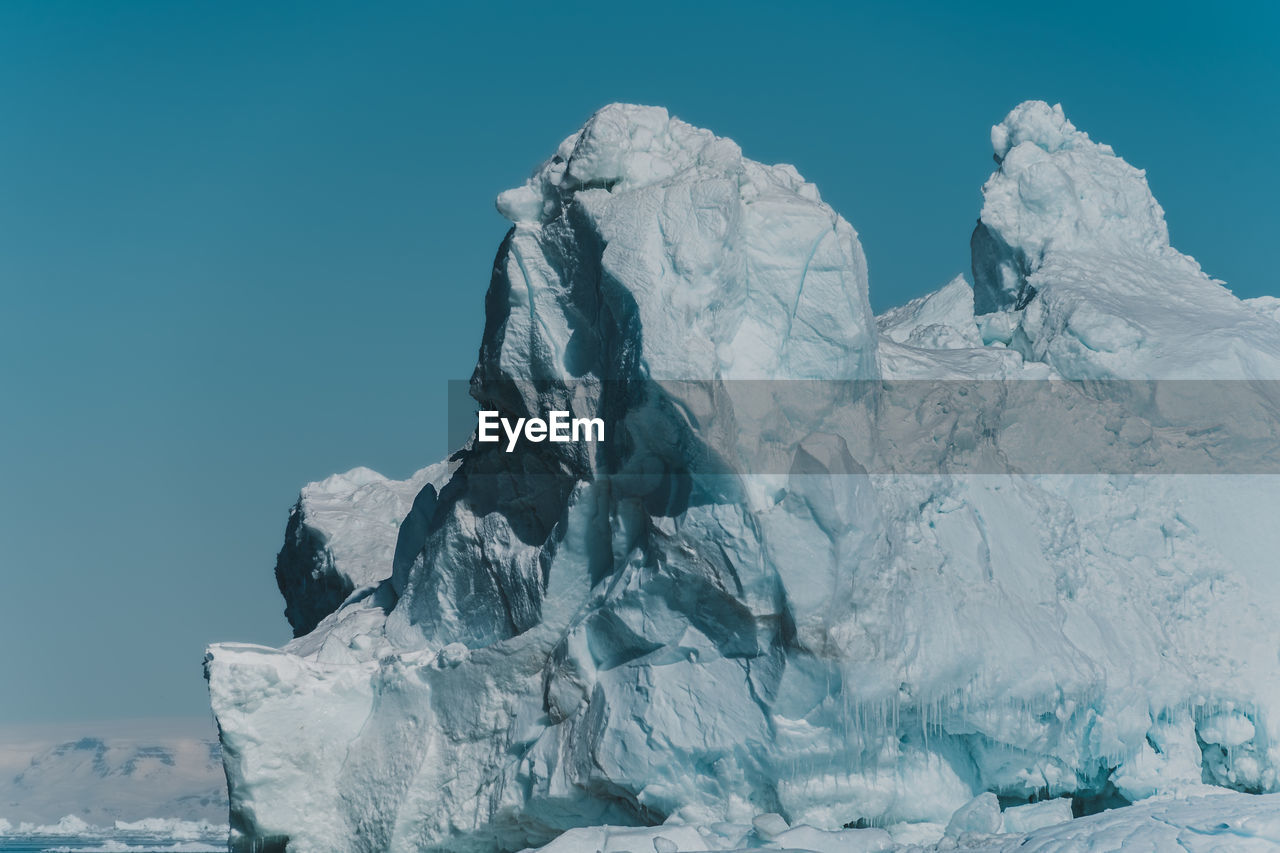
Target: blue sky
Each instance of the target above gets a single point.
(245, 245)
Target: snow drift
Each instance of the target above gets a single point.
(623, 633)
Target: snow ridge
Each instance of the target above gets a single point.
(1071, 240)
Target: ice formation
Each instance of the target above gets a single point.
(148, 834)
(342, 535)
(1071, 235)
(576, 635)
(1202, 824)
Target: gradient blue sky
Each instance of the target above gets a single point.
(244, 245)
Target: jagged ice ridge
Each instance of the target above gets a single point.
(575, 635)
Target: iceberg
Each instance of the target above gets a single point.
(728, 615)
(148, 834)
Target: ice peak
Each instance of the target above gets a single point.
(1073, 247)
(714, 264)
(1044, 126)
(624, 146)
(1055, 191)
(638, 146)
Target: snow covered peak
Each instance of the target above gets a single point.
(1073, 247)
(646, 246)
(1055, 190)
(1041, 125)
(110, 772)
(636, 146)
(625, 147)
(940, 320)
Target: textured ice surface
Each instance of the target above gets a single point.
(1033, 816)
(582, 635)
(342, 536)
(1217, 823)
(1070, 234)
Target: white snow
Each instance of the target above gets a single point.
(66, 825)
(769, 826)
(152, 833)
(572, 637)
(943, 319)
(1033, 816)
(171, 827)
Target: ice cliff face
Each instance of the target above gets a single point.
(342, 535)
(718, 612)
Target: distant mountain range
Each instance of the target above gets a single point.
(104, 772)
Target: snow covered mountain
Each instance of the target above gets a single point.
(736, 609)
(111, 772)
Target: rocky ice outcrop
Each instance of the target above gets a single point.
(718, 612)
(1071, 239)
(342, 535)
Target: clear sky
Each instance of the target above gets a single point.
(244, 245)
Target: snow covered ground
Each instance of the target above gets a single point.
(663, 631)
